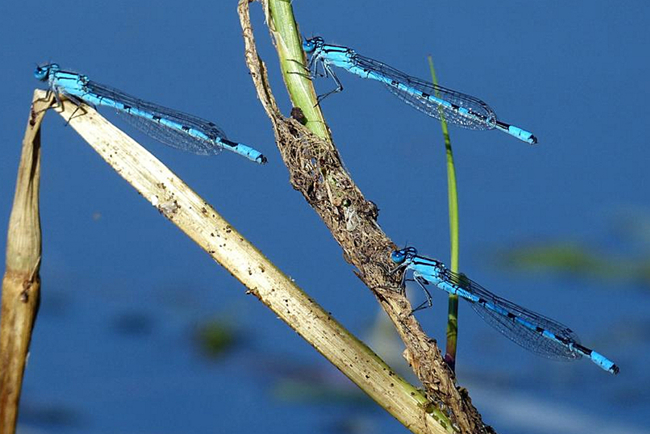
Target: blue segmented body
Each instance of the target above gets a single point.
(436, 101)
(168, 126)
(531, 330)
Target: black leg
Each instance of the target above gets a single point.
(307, 72)
(339, 86)
(428, 302)
(76, 101)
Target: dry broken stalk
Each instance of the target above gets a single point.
(21, 283)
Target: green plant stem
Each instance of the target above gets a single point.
(292, 62)
(452, 194)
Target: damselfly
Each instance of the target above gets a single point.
(436, 101)
(531, 330)
(171, 127)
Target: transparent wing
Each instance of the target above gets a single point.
(165, 134)
(480, 116)
(171, 136)
(514, 330)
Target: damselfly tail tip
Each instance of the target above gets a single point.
(532, 140)
(261, 159)
(614, 370)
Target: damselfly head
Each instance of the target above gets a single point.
(310, 45)
(401, 255)
(42, 73)
(398, 256)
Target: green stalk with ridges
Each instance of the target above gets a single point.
(293, 65)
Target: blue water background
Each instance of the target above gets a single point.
(124, 291)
